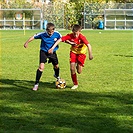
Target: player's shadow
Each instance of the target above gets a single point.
(27, 85)
(123, 55)
(24, 84)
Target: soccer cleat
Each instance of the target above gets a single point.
(56, 77)
(74, 87)
(35, 87)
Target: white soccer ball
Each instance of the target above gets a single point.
(60, 84)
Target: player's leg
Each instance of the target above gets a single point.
(38, 76)
(79, 68)
(43, 59)
(73, 70)
(74, 75)
(56, 71)
(80, 62)
(39, 73)
(54, 59)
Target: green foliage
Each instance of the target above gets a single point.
(18, 4)
(100, 1)
(10, 14)
(70, 14)
(73, 11)
(54, 13)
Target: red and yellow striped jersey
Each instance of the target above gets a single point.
(81, 42)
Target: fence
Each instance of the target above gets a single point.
(20, 19)
(54, 13)
(113, 16)
(102, 16)
(118, 19)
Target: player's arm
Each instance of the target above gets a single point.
(56, 43)
(90, 51)
(29, 40)
(71, 43)
(85, 41)
(62, 39)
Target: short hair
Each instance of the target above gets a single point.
(50, 26)
(76, 28)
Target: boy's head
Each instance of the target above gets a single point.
(76, 30)
(50, 28)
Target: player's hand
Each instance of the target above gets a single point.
(90, 57)
(26, 45)
(50, 51)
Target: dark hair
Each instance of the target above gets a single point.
(50, 26)
(76, 28)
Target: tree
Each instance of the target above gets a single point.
(66, 1)
(94, 1)
(22, 4)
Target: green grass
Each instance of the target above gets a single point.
(101, 104)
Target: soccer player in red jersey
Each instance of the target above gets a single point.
(79, 45)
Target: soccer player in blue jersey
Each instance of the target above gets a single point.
(48, 38)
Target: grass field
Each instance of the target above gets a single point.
(101, 104)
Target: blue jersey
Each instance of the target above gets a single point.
(48, 41)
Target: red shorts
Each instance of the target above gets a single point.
(77, 58)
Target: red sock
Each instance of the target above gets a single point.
(74, 79)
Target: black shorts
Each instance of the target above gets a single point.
(52, 57)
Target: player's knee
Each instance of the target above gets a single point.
(79, 69)
(41, 68)
(79, 72)
(56, 66)
(72, 70)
